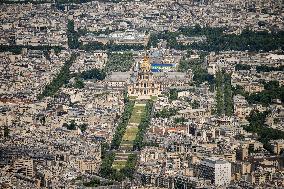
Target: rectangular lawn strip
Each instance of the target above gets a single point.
(122, 125)
(119, 164)
(133, 97)
(138, 111)
(122, 154)
(127, 147)
(130, 133)
(143, 125)
(126, 143)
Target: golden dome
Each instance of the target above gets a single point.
(145, 65)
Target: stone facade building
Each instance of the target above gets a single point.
(145, 83)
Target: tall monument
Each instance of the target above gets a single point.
(143, 85)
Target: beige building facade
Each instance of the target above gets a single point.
(144, 86)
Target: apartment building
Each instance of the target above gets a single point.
(215, 169)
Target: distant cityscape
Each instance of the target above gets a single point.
(141, 94)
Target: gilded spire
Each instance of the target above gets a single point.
(145, 65)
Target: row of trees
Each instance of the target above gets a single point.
(145, 122)
(218, 41)
(129, 169)
(17, 49)
(195, 104)
(6, 131)
(239, 67)
(247, 40)
(119, 62)
(180, 120)
(84, 31)
(62, 78)
(72, 35)
(173, 94)
(171, 37)
(108, 156)
(111, 46)
(198, 31)
(271, 91)
(94, 73)
(121, 128)
(265, 133)
(228, 95)
(95, 182)
(78, 83)
(166, 113)
(224, 96)
(107, 171)
(262, 68)
(73, 125)
(200, 74)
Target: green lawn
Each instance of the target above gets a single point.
(154, 98)
(133, 97)
(132, 128)
(130, 133)
(126, 142)
(119, 164)
(137, 113)
(126, 146)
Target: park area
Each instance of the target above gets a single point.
(132, 127)
(129, 136)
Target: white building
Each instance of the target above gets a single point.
(215, 169)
